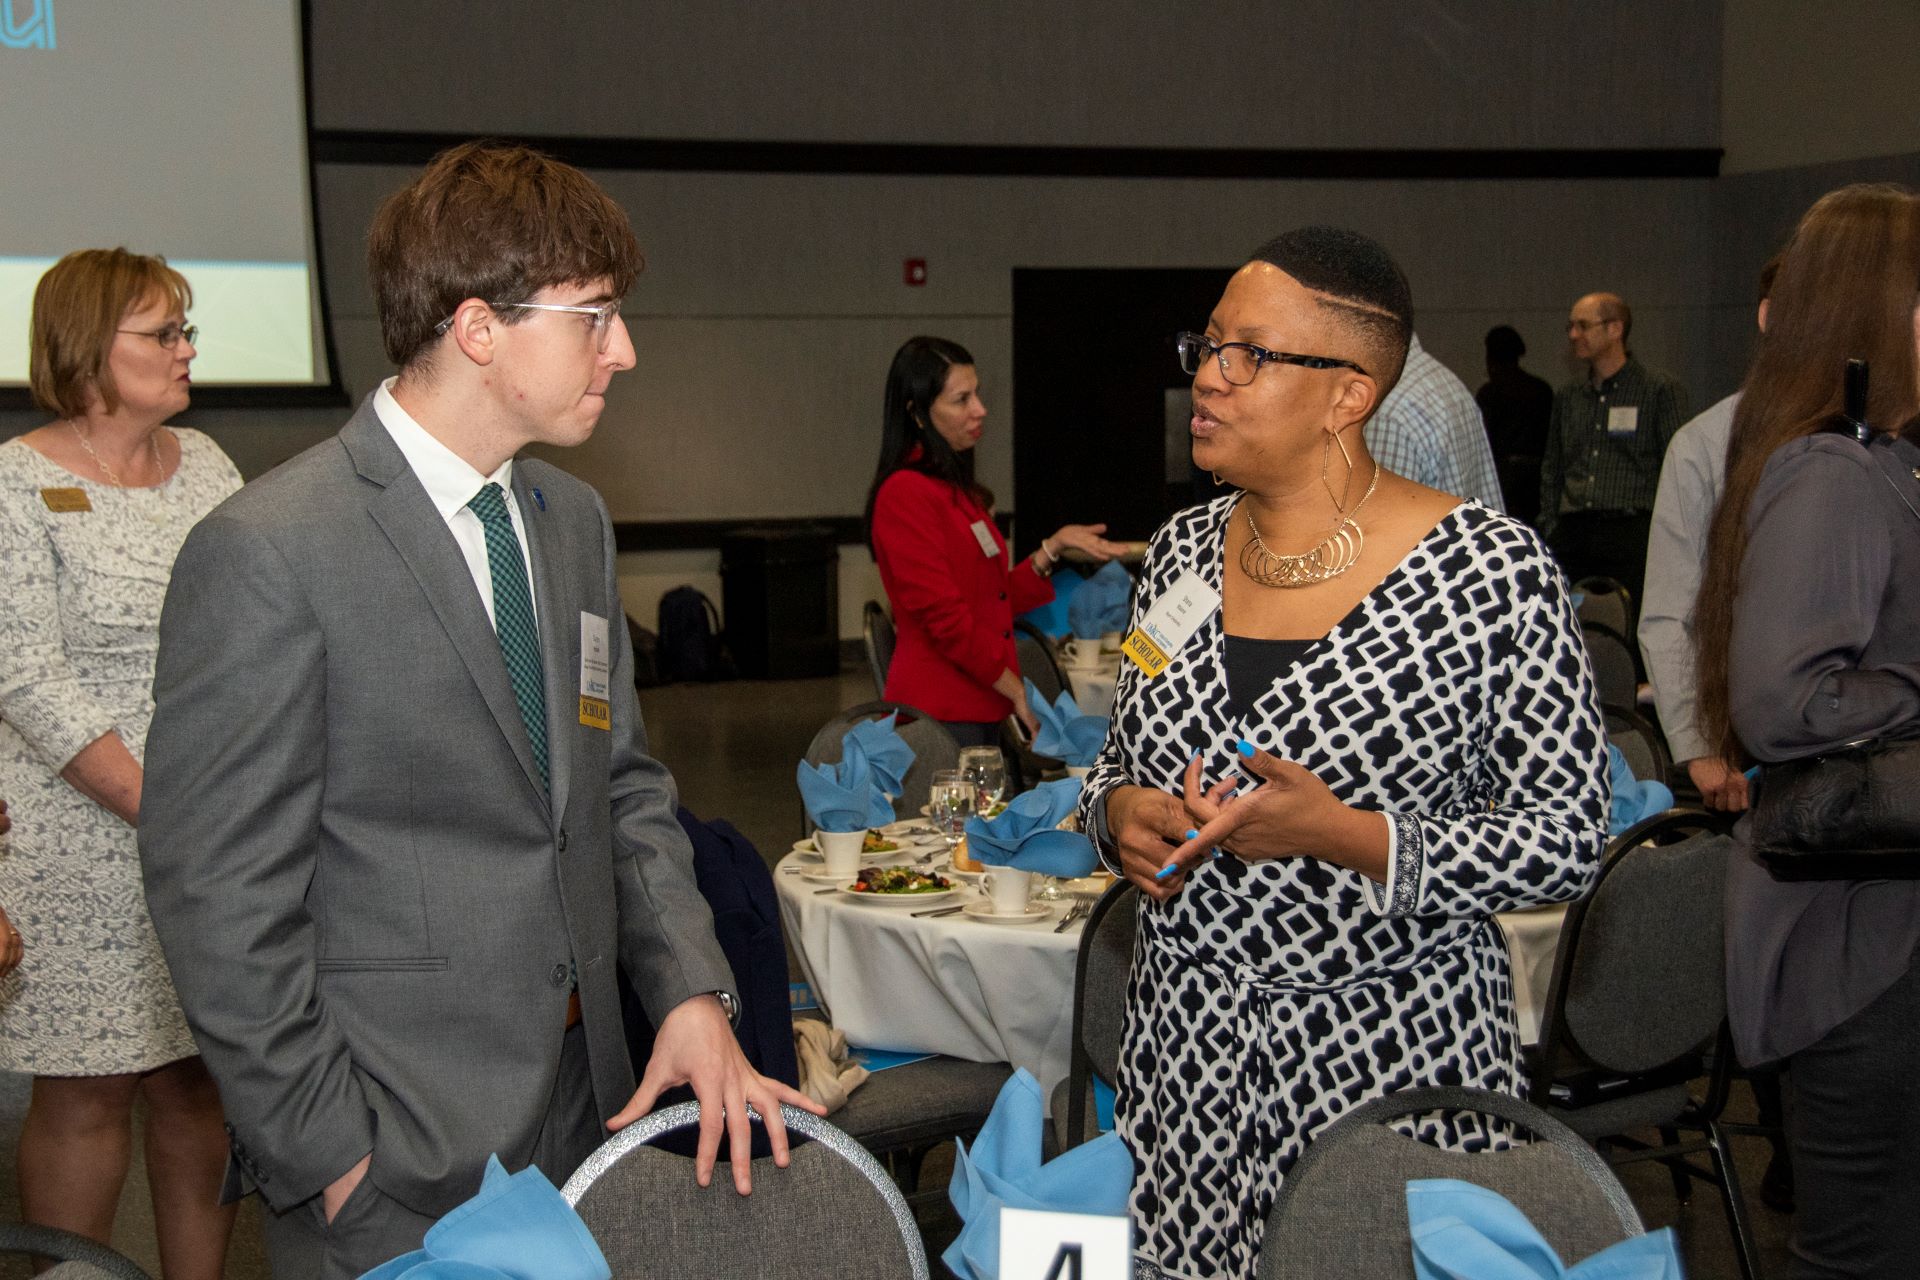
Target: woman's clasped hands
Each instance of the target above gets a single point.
(1281, 811)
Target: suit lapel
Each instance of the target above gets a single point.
(414, 527)
(558, 604)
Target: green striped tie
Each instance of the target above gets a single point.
(513, 617)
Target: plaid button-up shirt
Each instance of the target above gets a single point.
(1605, 443)
(1428, 429)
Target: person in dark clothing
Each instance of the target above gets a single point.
(1516, 406)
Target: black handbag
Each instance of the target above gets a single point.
(1852, 812)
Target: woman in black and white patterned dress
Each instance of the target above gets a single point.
(1389, 736)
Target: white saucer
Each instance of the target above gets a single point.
(948, 869)
(820, 875)
(983, 911)
(899, 899)
(907, 827)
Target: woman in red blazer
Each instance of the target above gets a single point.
(942, 560)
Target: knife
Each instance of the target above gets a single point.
(940, 911)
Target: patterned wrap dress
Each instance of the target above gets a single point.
(78, 636)
(1269, 998)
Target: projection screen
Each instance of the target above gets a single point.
(179, 129)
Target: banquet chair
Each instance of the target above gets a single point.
(74, 1257)
(1342, 1210)
(1099, 1009)
(1644, 746)
(877, 629)
(832, 1212)
(933, 746)
(1606, 602)
(1616, 664)
(1637, 1009)
(1038, 661)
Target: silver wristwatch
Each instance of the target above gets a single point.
(729, 1006)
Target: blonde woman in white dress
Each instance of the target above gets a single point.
(93, 509)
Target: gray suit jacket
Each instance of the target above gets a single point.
(368, 901)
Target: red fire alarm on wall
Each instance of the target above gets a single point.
(914, 271)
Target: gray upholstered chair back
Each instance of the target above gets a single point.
(1616, 671)
(1640, 743)
(1037, 661)
(1100, 1001)
(75, 1257)
(831, 1213)
(877, 628)
(1606, 602)
(1342, 1210)
(1644, 979)
(933, 746)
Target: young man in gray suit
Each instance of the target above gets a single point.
(399, 822)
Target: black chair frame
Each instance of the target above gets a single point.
(1081, 1069)
(1612, 713)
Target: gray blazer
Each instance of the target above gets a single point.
(369, 903)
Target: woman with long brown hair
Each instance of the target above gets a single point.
(1808, 629)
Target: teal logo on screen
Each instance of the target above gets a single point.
(33, 31)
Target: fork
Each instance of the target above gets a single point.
(1074, 913)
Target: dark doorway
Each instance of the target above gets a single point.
(1095, 388)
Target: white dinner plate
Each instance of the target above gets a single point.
(899, 899)
(912, 828)
(820, 875)
(983, 911)
(948, 869)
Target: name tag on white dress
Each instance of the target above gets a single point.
(983, 534)
(1623, 420)
(1170, 623)
(596, 712)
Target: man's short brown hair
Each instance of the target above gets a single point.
(490, 221)
(77, 306)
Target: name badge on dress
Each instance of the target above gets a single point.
(983, 534)
(1170, 623)
(595, 709)
(1623, 420)
(66, 500)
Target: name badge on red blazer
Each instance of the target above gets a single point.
(983, 534)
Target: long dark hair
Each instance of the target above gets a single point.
(915, 381)
(1847, 285)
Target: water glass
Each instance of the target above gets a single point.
(953, 798)
(988, 770)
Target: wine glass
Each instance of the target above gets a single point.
(988, 770)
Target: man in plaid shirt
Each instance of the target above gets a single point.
(1605, 442)
(1429, 430)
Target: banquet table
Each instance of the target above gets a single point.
(978, 990)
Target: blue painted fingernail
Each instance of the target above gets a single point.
(1193, 835)
(1245, 748)
(1166, 871)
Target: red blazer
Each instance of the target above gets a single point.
(953, 604)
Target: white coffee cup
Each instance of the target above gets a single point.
(1079, 770)
(840, 850)
(1080, 653)
(1008, 890)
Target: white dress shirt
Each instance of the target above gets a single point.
(451, 483)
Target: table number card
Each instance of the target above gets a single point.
(1063, 1246)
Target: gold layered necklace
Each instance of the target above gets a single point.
(1332, 556)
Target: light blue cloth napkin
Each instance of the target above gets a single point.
(1464, 1232)
(1051, 617)
(888, 754)
(844, 796)
(517, 1228)
(1100, 605)
(1064, 733)
(1633, 800)
(1025, 837)
(1003, 1168)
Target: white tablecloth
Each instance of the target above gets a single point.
(940, 984)
(1533, 941)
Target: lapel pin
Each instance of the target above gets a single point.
(540, 499)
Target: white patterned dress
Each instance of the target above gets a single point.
(79, 628)
(1269, 998)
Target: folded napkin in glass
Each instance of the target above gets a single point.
(1064, 733)
(517, 1228)
(888, 755)
(1633, 800)
(1100, 605)
(844, 796)
(1003, 1168)
(1026, 835)
(1466, 1232)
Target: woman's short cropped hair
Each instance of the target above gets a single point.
(77, 306)
(491, 221)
